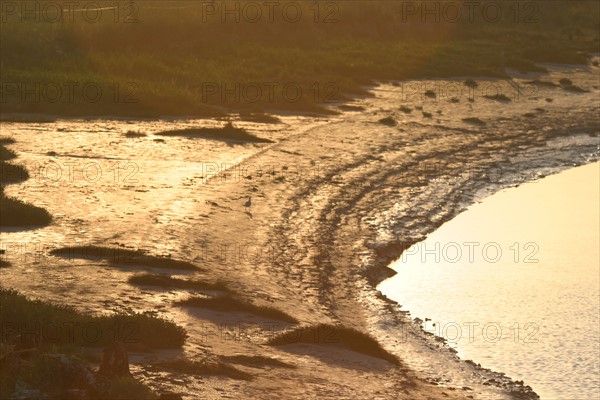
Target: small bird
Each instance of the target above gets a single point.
(248, 203)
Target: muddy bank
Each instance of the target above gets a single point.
(332, 205)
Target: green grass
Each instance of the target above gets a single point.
(230, 304)
(169, 282)
(163, 63)
(226, 133)
(134, 329)
(335, 335)
(122, 256)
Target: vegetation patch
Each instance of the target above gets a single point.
(349, 107)
(227, 133)
(51, 322)
(260, 118)
(231, 304)
(471, 83)
(17, 213)
(388, 121)
(498, 97)
(176, 283)
(364, 45)
(474, 121)
(122, 256)
(133, 134)
(335, 335)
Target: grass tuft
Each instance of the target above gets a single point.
(169, 282)
(231, 304)
(474, 121)
(388, 121)
(227, 133)
(335, 335)
(17, 312)
(122, 256)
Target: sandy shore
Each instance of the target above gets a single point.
(332, 206)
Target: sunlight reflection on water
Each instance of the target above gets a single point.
(513, 283)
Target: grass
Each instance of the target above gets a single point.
(349, 107)
(471, 83)
(227, 133)
(188, 367)
(260, 118)
(498, 97)
(542, 83)
(19, 312)
(163, 63)
(336, 335)
(122, 256)
(231, 304)
(565, 82)
(133, 134)
(14, 212)
(474, 121)
(6, 154)
(10, 173)
(388, 121)
(169, 282)
(17, 213)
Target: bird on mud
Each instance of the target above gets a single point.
(248, 202)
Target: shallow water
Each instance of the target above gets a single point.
(513, 283)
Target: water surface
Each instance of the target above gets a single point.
(513, 283)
